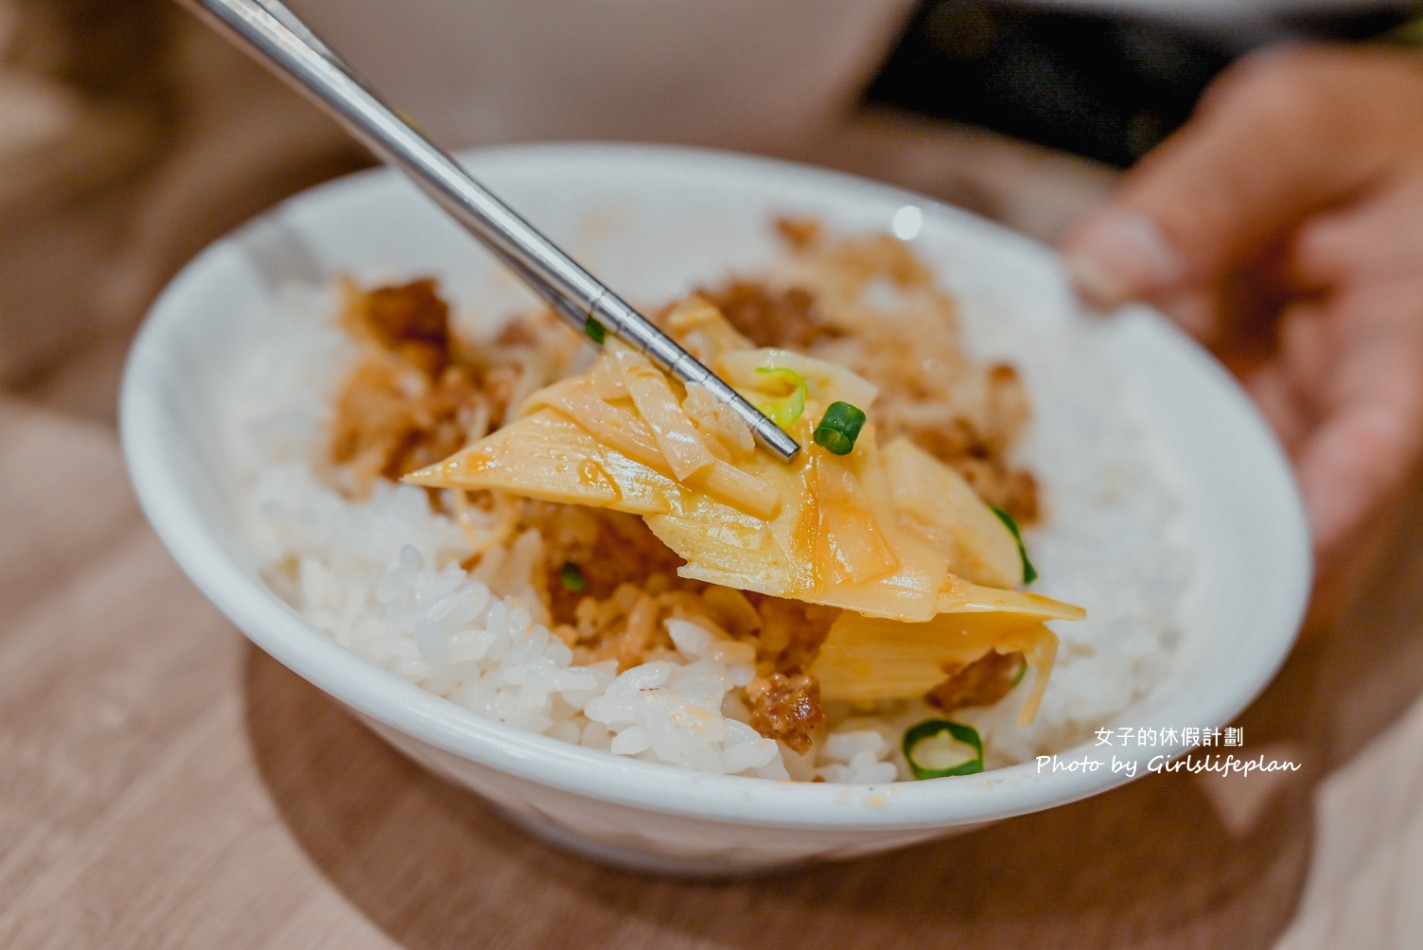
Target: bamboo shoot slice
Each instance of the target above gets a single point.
(546, 455)
(937, 502)
(679, 441)
(865, 659)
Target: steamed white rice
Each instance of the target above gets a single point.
(381, 576)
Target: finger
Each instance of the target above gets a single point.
(1371, 438)
(1377, 241)
(1348, 468)
(1280, 137)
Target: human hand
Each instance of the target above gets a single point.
(1283, 226)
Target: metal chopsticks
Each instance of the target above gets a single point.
(278, 38)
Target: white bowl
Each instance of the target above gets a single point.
(659, 220)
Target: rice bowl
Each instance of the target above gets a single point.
(1146, 514)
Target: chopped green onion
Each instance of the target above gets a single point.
(1030, 573)
(784, 412)
(790, 377)
(839, 428)
(571, 577)
(938, 748)
(594, 331)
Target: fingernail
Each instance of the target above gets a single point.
(1119, 254)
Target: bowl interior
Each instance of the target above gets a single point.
(653, 223)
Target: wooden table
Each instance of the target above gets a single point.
(163, 784)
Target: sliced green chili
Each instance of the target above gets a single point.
(571, 577)
(1030, 573)
(839, 428)
(935, 749)
(594, 331)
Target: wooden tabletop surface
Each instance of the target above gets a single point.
(164, 784)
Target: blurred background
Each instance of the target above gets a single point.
(1107, 79)
(130, 136)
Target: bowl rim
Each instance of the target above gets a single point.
(278, 629)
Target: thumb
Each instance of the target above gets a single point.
(1267, 147)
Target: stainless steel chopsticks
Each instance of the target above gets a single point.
(278, 38)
